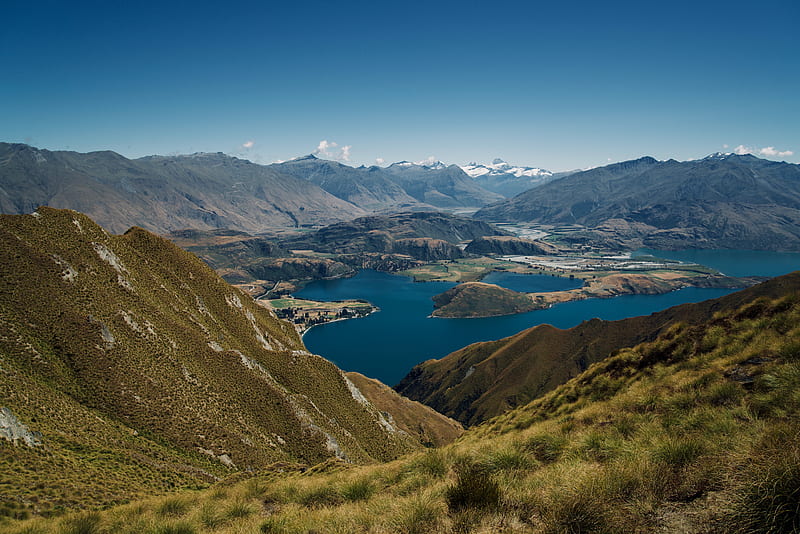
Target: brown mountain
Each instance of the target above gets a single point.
(162, 194)
(486, 379)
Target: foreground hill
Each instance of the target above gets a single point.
(694, 432)
(162, 194)
(487, 379)
(128, 367)
(722, 201)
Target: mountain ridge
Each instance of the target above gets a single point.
(736, 202)
(163, 193)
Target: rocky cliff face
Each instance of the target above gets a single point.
(509, 246)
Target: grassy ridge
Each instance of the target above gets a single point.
(694, 431)
(144, 371)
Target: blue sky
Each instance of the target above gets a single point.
(560, 85)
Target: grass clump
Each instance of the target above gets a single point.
(475, 488)
(240, 509)
(766, 499)
(181, 527)
(173, 507)
(679, 451)
(420, 515)
(546, 448)
(575, 512)
(88, 523)
(358, 490)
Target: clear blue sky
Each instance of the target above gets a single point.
(560, 85)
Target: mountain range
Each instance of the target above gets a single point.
(722, 201)
(209, 191)
(163, 193)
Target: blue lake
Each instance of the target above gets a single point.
(734, 262)
(387, 344)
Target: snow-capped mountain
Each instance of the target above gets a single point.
(429, 163)
(498, 167)
(505, 179)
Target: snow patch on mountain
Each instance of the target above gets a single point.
(498, 167)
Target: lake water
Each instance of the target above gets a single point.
(734, 262)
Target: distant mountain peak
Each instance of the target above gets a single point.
(307, 157)
(499, 167)
(719, 155)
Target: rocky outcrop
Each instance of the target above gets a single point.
(427, 249)
(13, 430)
(298, 268)
(509, 246)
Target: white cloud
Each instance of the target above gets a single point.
(328, 150)
(248, 144)
(725, 146)
(430, 160)
(770, 151)
(379, 161)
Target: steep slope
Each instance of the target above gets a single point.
(370, 188)
(162, 194)
(441, 186)
(133, 368)
(431, 428)
(722, 201)
(423, 235)
(486, 379)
